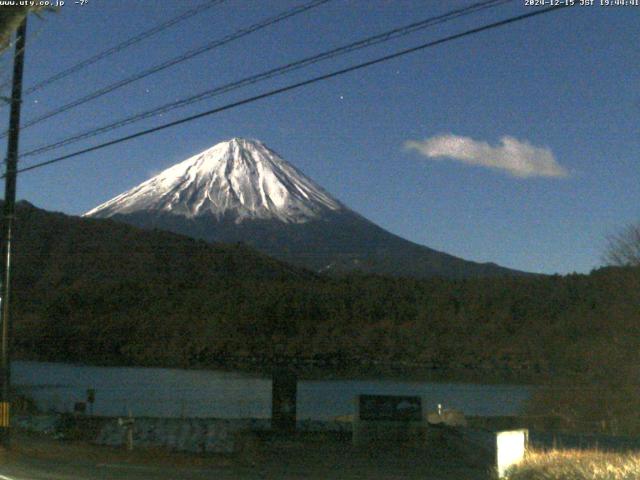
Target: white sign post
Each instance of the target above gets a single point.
(510, 449)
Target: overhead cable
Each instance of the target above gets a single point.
(297, 85)
(122, 46)
(174, 61)
(283, 69)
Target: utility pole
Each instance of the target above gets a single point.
(9, 214)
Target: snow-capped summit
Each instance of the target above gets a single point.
(239, 179)
(241, 191)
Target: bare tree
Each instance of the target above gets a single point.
(10, 19)
(623, 248)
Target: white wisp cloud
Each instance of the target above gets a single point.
(517, 158)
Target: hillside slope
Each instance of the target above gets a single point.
(242, 191)
(98, 291)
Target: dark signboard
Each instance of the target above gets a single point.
(389, 408)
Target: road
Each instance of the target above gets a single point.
(46, 470)
(48, 460)
(36, 469)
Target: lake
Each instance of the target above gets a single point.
(167, 392)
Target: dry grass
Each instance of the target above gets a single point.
(577, 465)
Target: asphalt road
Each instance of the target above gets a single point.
(39, 470)
(42, 459)
(34, 469)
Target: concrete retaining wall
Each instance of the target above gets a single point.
(189, 435)
(36, 423)
(199, 435)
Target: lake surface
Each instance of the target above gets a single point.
(165, 392)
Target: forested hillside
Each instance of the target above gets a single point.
(97, 291)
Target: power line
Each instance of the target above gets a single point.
(176, 60)
(360, 44)
(296, 86)
(123, 45)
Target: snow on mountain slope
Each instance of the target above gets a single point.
(241, 178)
(241, 191)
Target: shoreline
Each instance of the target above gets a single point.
(326, 371)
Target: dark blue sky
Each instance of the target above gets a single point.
(526, 138)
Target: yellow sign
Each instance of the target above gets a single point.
(4, 414)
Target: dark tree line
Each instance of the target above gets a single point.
(96, 291)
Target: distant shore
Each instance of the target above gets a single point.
(307, 369)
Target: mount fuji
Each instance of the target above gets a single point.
(242, 191)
